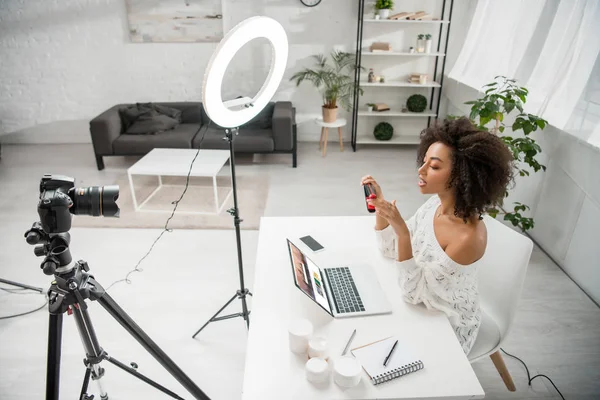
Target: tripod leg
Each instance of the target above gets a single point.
(214, 316)
(134, 330)
(97, 373)
(22, 285)
(53, 362)
(86, 381)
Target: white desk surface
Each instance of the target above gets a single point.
(272, 371)
(176, 162)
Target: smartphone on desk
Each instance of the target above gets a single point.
(312, 244)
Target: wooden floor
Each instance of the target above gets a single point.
(190, 274)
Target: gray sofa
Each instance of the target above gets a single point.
(273, 130)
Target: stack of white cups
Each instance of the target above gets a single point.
(347, 370)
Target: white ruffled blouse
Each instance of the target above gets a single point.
(431, 277)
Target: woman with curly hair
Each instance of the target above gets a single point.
(438, 249)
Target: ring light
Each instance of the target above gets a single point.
(244, 32)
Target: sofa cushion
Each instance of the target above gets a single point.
(248, 141)
(180, 137)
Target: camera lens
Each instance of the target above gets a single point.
(95, 201)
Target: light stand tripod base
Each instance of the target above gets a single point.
(243, 291)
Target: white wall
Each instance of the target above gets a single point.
(62, 62)
(564, 200)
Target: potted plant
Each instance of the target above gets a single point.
(370, 106)
(383, 8)
(427, 43)
(489, 112)
(420, 43)
(336, 82)
(383, 131)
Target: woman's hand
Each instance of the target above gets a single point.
(369, 179)
(390, 213)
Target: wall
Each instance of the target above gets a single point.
(564, 200)
(62, 62)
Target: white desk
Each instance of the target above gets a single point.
(273, 372)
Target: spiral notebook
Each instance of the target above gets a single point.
(402, 361)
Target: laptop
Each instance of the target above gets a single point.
(343, 291)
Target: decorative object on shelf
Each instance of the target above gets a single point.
(404, 109)
(501, 98)
(383, 131)
(381, 107)
(310, 3)
(371, 78)
(420, 43)
(417, 77)
(416, 103)
(419, 15)
(381, 79)
(415, 16)
(428, 43)
(336, 82)
(383, 7)
(411, 50)
(370, 107)
(377, 17)
(380, 47)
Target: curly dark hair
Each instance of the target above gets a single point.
(482, 164)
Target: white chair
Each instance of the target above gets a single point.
(501, 277)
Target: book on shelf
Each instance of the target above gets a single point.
(380, 47)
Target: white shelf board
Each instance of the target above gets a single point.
(406, 21)
(396, 53)
(396, 139)
(400, 84)
(395, 114)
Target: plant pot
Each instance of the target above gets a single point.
(428, 46)
(329, 114)
(384, 13)
(420, 45)
(370, 108)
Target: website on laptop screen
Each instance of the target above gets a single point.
(308, 277)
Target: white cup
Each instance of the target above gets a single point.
(317, 347)
(346, 371)
(299, 331)
(317, 370)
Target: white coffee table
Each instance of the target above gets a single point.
(176, 162)
(338, 123)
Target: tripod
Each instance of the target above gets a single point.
(234, 212)
(68, 292)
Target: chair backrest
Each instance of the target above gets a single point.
(501, 272)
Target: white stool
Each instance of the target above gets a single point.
(338, 123)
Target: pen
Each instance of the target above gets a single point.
(349, 341)
(389, 355)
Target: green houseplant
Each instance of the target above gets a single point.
(335, 81)
(383, 131)
(383, 8)
(501, 98)
(428, 42)
(416, 103)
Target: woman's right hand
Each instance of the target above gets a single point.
(369, 179)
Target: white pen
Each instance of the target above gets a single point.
(348, 344)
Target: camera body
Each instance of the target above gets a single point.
(59, 198)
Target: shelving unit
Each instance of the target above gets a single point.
(410, 123)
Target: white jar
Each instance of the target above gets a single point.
(300, 331)
(346, 371)
(317, 347)
(317, 370)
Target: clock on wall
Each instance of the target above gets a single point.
(310, 3)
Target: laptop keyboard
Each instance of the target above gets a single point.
(345, 295)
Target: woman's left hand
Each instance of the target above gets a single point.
(390, 212)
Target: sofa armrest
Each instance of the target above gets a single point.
(105, 128)
(283, 121)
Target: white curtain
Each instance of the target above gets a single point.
(566, 62)
(496, 41)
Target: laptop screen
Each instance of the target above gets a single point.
(308, 277)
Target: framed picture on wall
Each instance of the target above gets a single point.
(164, 21)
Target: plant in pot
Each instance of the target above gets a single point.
(488, 112)
(383, 8)
(420, 43)
(370, 106)
(416, 103)
(335, 82)
(383, 131)
(428, 43)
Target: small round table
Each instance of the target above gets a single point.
(338, 123)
